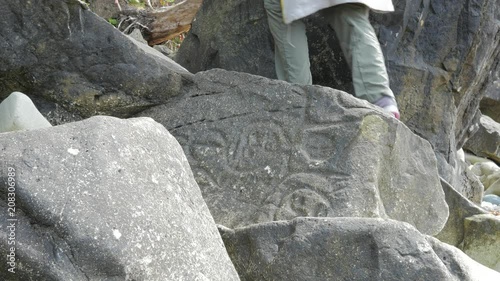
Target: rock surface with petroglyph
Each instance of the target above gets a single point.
(264, 150)
(438, 54)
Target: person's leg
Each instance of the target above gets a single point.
(291, 50)
(363, 54)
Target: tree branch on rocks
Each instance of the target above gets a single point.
(165, 23)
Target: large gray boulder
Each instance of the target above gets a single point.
(317, 249)
(105, 199)
(486, 141)
(65, 54)
(438, 53)
(264, 150)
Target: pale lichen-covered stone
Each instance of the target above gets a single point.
(482, 239)
(17, 112)
(489, 174)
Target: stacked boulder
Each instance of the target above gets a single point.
(266, 153)
(306, 182)
(439, 57)
(481, 231)
(107, 199)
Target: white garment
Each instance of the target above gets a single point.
(297, 9)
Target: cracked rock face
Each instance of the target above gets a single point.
(64, 54)
(486, 141)
(438, 55)
(482, 239)
(317, 249)
(117, 202)
(264, 150)
(490, 104)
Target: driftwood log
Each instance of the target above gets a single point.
(163, 24)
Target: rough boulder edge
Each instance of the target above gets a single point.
(264, 150)
(107, 199)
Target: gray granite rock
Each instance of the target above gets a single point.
(482, 239)
(317, 249)
(137, 36)
(439, 55)
(106, 199)
(460, 264)
(17, 112)
(264, 150)
(65, 54)
(467, 183)
(486, 141)
(490, 104)
(460, 209)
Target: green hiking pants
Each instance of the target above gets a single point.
(357, 40)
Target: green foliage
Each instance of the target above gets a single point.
(113, 21)
(166, 2)
(137, 3)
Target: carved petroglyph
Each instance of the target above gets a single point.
(208, 145)
(266, 153)
(299, 195)
(259, 145)
(319, 144)
(303, 203)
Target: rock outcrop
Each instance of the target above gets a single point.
(105, 199)
(490, 104)
(115, 199)
(482, 239)
(460, 209)
(486, 141)
(17, 112)
(313, 249)
(439, 55)
(264, 150)
(68, 55)
(489, 174)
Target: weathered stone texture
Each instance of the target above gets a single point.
(314, 249)
(490, 104)
(460, 209)
(265, 150)
(482, 240)
(68, 55)
(439, 55)
(486, 141)
(17, 112)
(107, 199)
